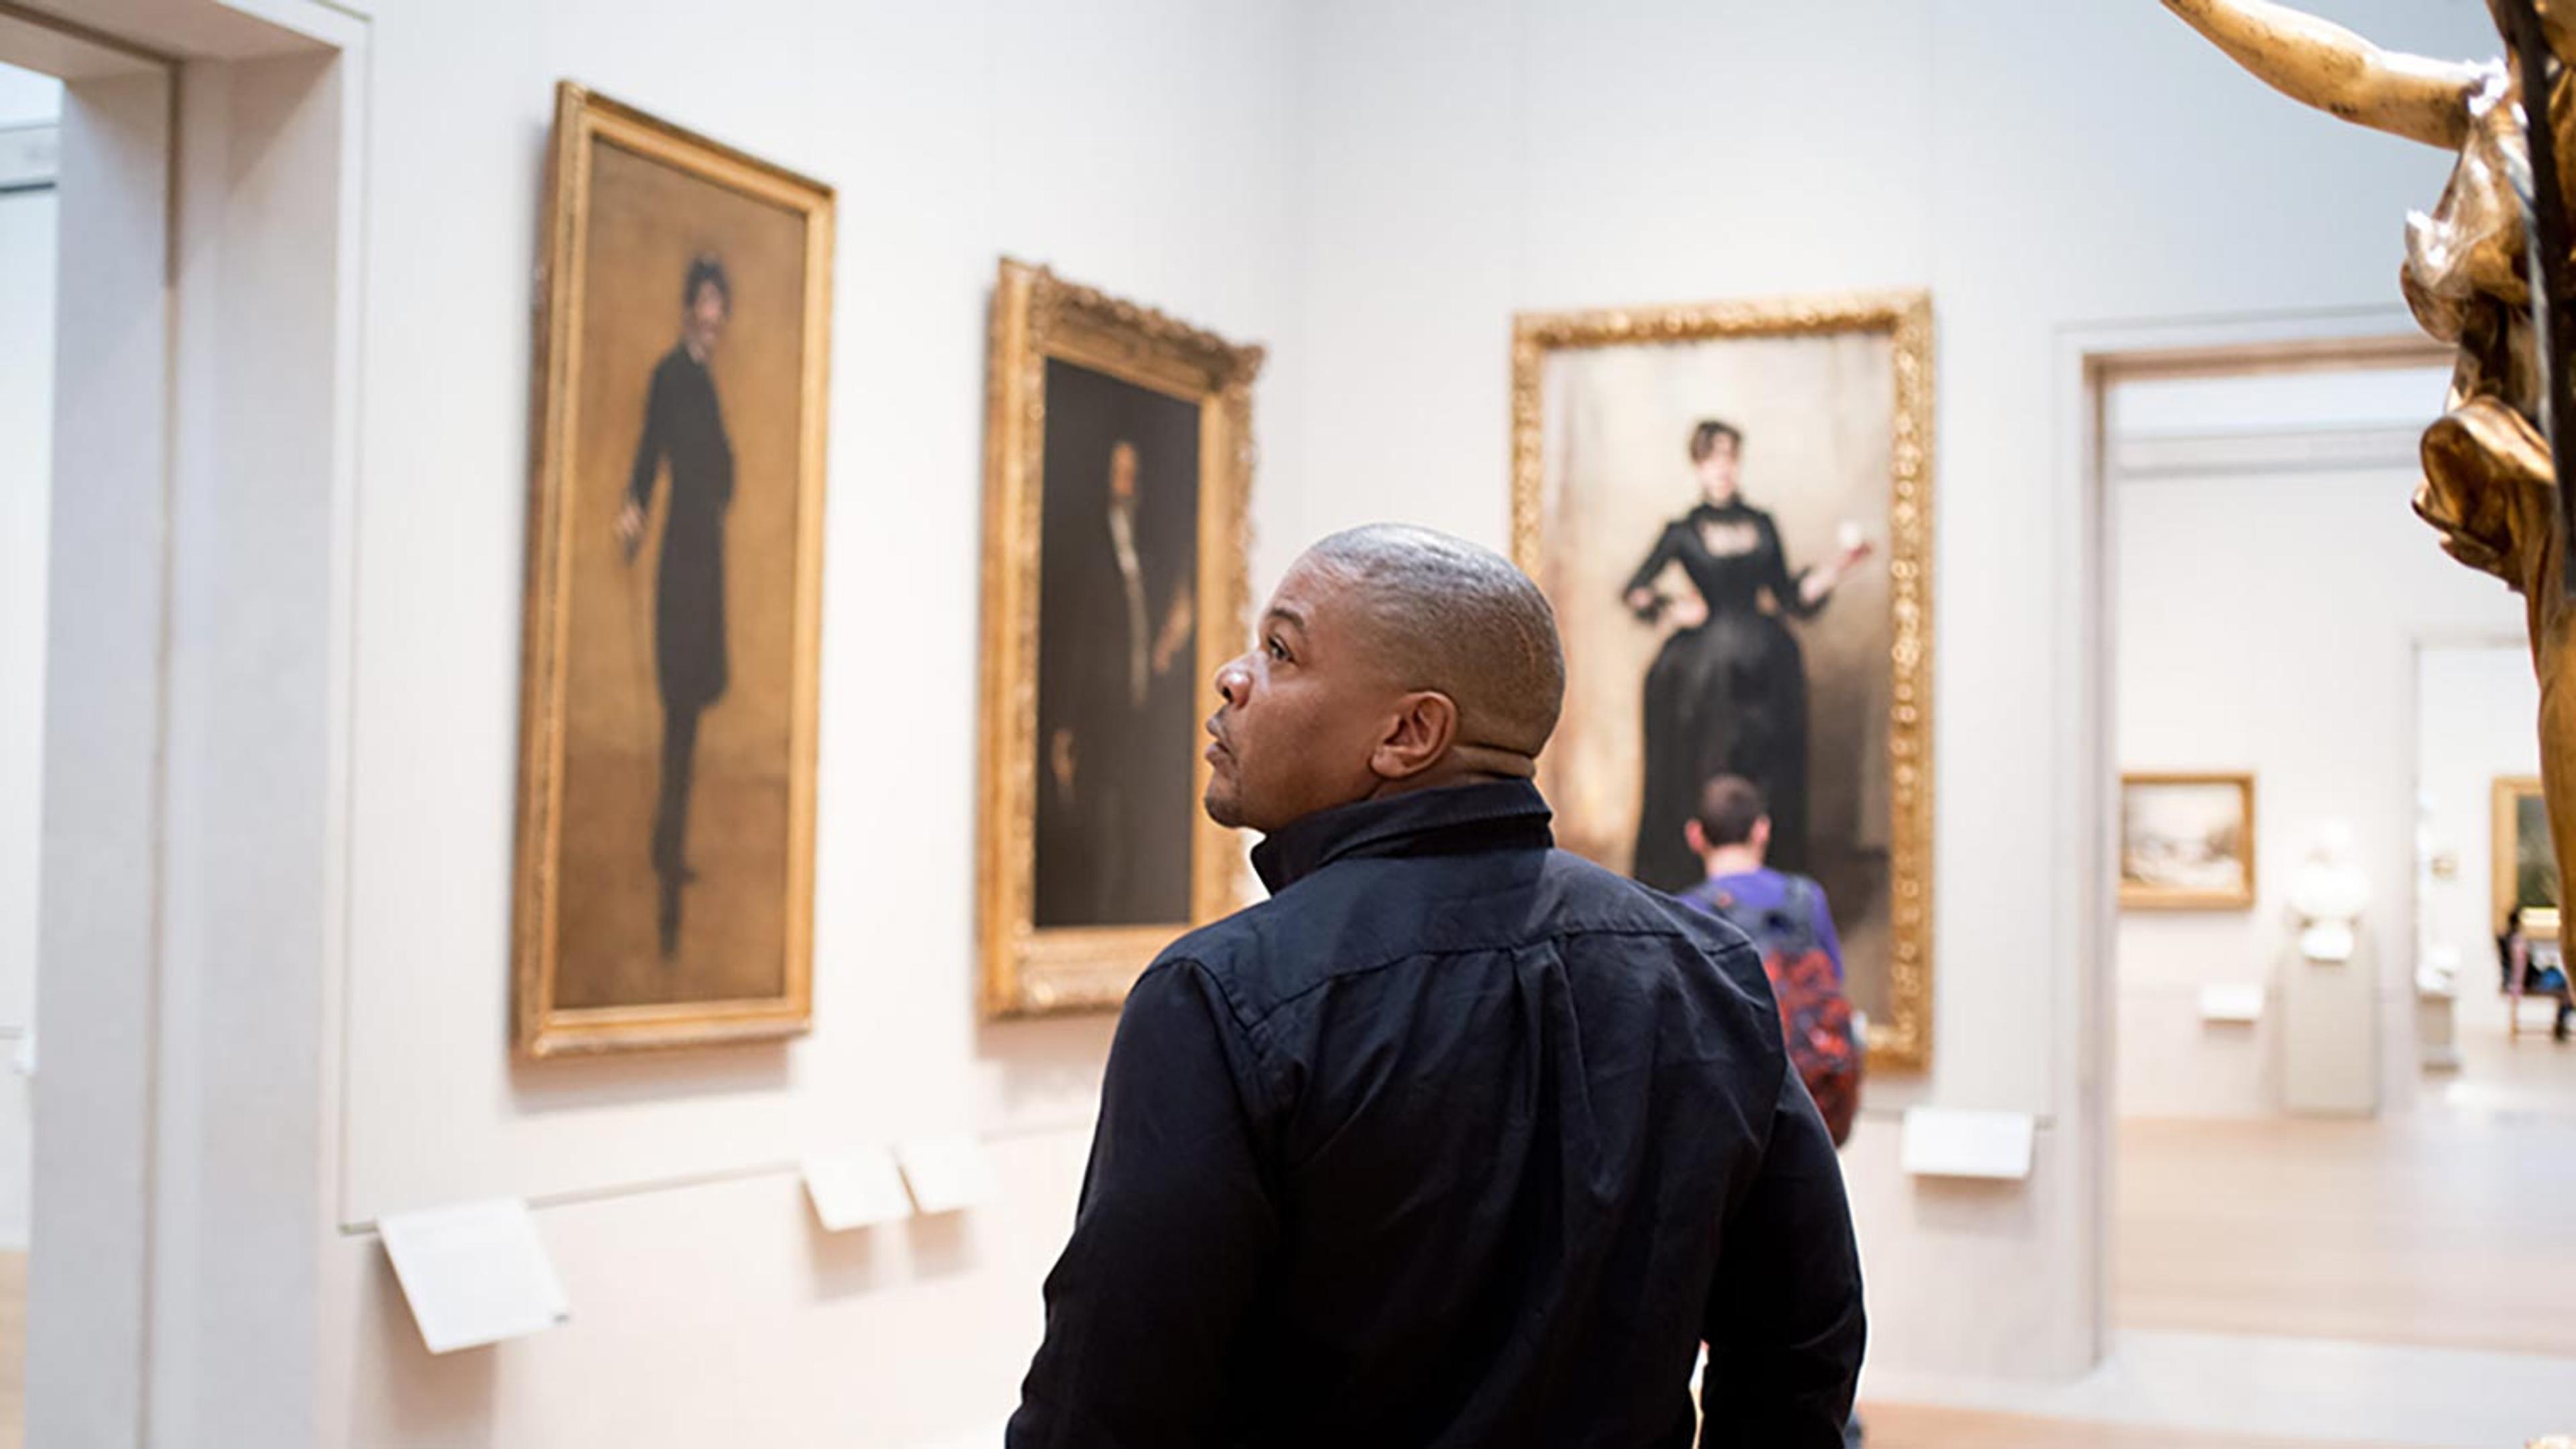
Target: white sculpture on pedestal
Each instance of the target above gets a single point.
(2329, 895)
(2330, 986)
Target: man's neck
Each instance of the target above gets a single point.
(1729, 860)
(1464, 765)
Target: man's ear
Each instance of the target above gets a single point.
(1697, 837)
(1418, 737)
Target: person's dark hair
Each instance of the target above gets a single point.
(1729, 807)
(1704, 438)
(706, 271)
(1444, 614)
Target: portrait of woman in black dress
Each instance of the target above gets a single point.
(1727, 694)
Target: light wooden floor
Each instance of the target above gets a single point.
(2388, 1232)
(1895, 1427)
(13, 1350)
(2452, 1226)
(2449, 1226)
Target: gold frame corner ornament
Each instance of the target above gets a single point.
(1038, 316)
(1905, 1042)
(540, 1029)
(2154, 898)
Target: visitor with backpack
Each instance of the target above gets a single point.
(1792, 925)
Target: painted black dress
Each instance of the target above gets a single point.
(1728, 697)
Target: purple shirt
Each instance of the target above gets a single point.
(1764, 890)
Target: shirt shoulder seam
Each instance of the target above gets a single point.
(1258, 1021)
(1252, 1027)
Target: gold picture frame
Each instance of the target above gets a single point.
(1039, 319)
(673, 200)
(2140, 890)
(1901, 1037)
(2509, 799)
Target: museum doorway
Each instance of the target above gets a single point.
(2317, 1137)
(30, 117)
(83, 130)
(174, 745)
(2486, 890)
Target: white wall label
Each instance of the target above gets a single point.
(1943, 1142)
(860, 1189)
(474, 1274)
(2236, 1003)
(946, 1173)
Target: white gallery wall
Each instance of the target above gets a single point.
(1147, 147)
(28, 106)
(2045, 169)
(1372, 190)
(2269, 616)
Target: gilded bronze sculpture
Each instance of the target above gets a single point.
(2490, 480)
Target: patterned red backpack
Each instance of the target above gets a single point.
(1815, 1015)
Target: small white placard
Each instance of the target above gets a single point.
(474, 1274)
(2234, 1003)
(1945, 1142)
(947, 1174)
(30, 155)
(862, 1189)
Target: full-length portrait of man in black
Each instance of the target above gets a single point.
(684, 429)
(1117, 653)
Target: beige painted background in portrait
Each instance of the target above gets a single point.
(646, 221)
(1818, 415)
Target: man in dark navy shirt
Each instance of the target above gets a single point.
(1457, 1140)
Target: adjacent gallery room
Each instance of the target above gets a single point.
(628, 636)
(2325, 733)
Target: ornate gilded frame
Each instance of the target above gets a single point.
(2159, 898)
(1905, 1042)
(540, 1028)
(2504, 798)
(1038, 316)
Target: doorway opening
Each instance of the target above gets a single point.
(2486, 891)
(30, 150)
(186, 870)
(2316, 1155)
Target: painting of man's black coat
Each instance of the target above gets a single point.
(1119, 473)
(667, 790)
(1119, 692)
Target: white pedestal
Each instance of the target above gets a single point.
(2330, 1033)
(2437, 1043)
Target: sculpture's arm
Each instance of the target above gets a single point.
(2326, 66)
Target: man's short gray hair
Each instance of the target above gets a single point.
(1444, 614)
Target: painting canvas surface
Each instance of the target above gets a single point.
(1119, 693)
(2534, 865)
(1800, 705)
(2184, 837)
(669, 679)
